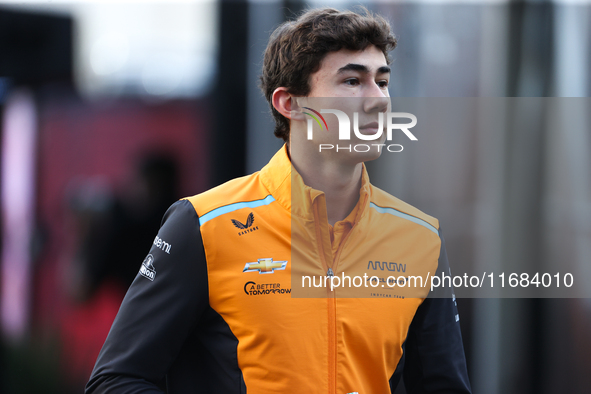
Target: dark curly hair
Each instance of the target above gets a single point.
(296, 49)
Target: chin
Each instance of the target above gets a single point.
(361, 157)
(371, 155)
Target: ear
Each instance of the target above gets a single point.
(286, 104)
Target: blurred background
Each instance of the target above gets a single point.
(110, 112)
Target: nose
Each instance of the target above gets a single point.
(376, 99)
(376, 104)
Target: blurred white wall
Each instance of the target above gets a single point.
(140, 48)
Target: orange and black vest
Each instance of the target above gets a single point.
(235, 296)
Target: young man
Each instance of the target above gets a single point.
(212, 310)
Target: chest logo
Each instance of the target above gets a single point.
(265, 266)
(246, 227)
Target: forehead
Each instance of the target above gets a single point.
(371, 57)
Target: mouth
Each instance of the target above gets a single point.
(369, 129)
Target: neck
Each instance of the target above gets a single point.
(340, 182)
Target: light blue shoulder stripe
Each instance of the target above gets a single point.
(403, 215)
(233, 207)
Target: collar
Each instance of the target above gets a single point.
(285, 184)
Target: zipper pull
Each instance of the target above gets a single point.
(330, 273)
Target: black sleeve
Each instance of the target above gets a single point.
(159, 311)
(434, 352)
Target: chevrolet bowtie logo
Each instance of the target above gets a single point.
(265, 266)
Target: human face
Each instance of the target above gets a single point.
(346, 73)
(352, 82)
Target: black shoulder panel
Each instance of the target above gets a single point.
(434, 353)
(162, 311)
(208, 362)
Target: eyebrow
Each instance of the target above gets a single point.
(362, 68)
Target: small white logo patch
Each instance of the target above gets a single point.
(162, 244)
(147, 269)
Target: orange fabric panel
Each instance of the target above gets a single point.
(331, 341)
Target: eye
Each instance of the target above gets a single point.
(383, 84)
(351, 82)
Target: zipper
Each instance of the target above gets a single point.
(332, 344)
(331, 300)
(332, 317)
(343, 241)
(331, 305)
(332, 324)
(332, 337)
(342, 245)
